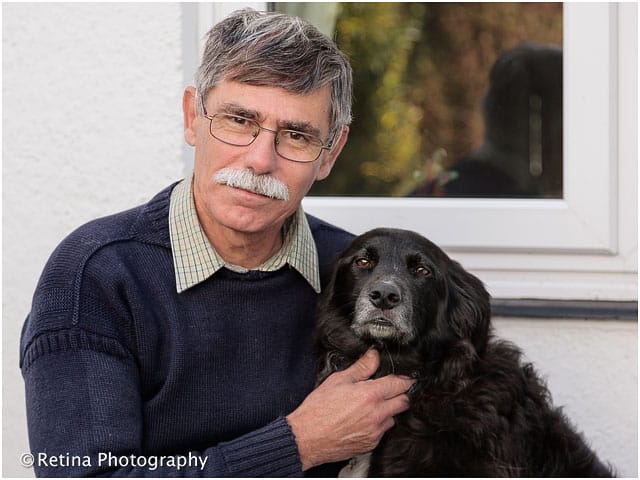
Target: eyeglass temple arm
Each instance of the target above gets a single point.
(204, 109)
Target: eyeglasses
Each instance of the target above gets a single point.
(241, 132)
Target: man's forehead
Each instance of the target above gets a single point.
(267, 102)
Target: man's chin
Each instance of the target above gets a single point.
(249, 219)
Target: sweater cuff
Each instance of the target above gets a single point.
(271, 451)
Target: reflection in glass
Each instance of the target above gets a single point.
(448, 95)
(521, 155)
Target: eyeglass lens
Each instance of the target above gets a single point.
(240, 131)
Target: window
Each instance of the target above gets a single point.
(582, 246)
(451, 99)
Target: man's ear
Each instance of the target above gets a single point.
(190, 115)
(329, 158)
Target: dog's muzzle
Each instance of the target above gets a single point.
(383, 312)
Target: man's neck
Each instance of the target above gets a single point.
(248, 250)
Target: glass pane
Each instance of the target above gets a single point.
(451, 99)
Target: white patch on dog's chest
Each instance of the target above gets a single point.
(358, 467)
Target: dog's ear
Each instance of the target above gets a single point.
(339, 295)
(468, 306)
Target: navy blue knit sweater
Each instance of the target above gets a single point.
(118, 364)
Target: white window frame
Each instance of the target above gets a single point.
(582, 247)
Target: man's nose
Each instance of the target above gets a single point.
(261, 155)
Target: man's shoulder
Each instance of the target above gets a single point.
(329, 238)
(146, 222)
(330, 242)
(67, 263)
(328, 231)
(92, 252)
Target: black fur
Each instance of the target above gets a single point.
(477, 410)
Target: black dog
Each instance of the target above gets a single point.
(476, 409)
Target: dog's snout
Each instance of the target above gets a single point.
(385, 295)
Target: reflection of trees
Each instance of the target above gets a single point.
(421, 70)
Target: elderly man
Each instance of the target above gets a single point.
(175, 338)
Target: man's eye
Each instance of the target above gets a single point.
(295, 137)
(363, 263)
(237, 120)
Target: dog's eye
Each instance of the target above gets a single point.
(424, 271)
(363, 262)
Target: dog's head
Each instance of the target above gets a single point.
(395, 288)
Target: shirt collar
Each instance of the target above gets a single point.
(195, 259)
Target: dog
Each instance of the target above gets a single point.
(476, 408)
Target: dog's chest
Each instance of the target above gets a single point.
(358, 467)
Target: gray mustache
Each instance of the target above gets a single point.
(246, 179)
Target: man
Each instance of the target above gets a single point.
(175, 338)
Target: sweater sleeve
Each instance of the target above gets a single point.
(84, 396)
(84, 416)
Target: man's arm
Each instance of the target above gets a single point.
(85, 419)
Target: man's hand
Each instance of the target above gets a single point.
(348, 413)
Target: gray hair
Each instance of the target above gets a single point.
(273, 49)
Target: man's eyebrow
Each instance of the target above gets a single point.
(302, 126)
(235, 109)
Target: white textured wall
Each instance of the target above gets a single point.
(591, 368)
(92, 125)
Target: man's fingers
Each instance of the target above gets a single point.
(388, 423)
(364, 367)
(396, 405)
(394, 385)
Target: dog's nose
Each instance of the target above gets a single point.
(385, 295)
